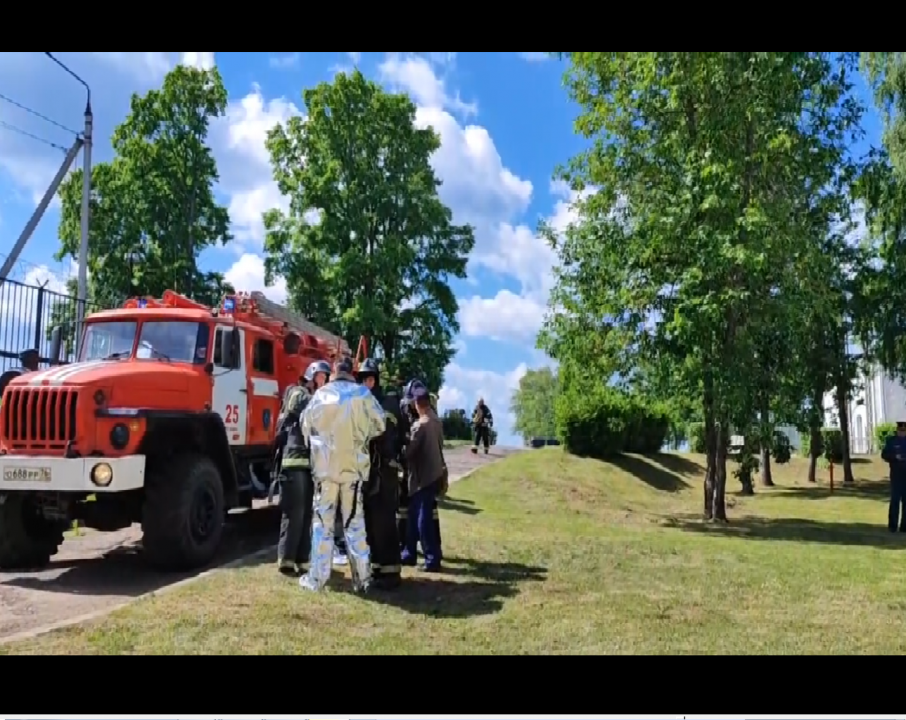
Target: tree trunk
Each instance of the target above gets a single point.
(748, 486)
(718, 503)
(710, 445)
(813, 453)
(766, 430)
(815, 419)
(843, 408)
(767, 478)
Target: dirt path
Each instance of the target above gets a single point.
(94, 571)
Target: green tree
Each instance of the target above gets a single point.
(152, 207)
(883, 191)
(377, 257)
(700, 162)
(533, 404)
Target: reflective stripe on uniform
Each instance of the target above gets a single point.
(402, 514)
(296, 462)
(435, 515)
(386, 569)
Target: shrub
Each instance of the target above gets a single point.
(604, 421)
(782, 451)
(455, 425)
(831, 444)
(882, 432)
(696, 434)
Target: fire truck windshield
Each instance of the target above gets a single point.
(168, 340)
(113, 340)
(173, 341)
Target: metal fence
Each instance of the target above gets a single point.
(28, 313)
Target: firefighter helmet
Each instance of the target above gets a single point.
(318, 366)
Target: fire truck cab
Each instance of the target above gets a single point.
(167, 418)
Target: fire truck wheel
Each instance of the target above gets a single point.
(27, 540)
(183, 515)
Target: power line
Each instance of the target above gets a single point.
(20, 131)
(30, 111)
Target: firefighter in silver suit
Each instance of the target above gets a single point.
(339, 422)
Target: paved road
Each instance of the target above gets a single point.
(97, 571)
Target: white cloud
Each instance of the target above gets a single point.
(504, 317)
(247, 274)
(416, 76)
(200, 60)
(289, 61)
(535, 57)
(519, 252)
(244, 162)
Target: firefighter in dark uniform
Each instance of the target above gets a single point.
(296, 486)
(30, 359)
(382, 493)
(482, 421)
(411, 415)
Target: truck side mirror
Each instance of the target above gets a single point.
(56, 344)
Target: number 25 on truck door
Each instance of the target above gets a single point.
(231, 416)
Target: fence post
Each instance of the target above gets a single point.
(39, 320)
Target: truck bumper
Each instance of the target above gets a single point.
(71, 475)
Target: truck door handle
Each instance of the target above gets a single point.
(243, 390)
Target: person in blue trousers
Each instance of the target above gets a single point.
(894, 454)
(426, 479)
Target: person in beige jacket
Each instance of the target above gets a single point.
(426, 480)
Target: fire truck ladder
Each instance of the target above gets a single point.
(297, 322)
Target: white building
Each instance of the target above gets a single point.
(877, 398)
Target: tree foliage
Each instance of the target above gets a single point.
(152, 207)
(712, 182)
(533, 404)
(367, 247)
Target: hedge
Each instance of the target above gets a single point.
(831, 444)
(882, 432)
(603, 421)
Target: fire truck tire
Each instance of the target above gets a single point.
(183, 514)
(27, 540)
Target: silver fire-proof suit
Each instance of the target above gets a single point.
(338, 423)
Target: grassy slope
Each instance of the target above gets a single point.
(552, 554)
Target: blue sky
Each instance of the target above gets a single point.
(504, 120)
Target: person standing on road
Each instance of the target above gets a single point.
(382, 491)
(894, 454)
(340, 421)
(411, 414)
(482, 422)
(296, 486)
(427, 479)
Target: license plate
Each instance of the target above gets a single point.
(27, 474)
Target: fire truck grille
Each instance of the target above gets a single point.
(39, 419)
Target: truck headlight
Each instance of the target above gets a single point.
(119, 436)
(102, 474)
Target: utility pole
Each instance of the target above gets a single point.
(86, 211)
(86, 204)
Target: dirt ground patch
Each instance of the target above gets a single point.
(95, 572)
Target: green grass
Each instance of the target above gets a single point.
(554, 554)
